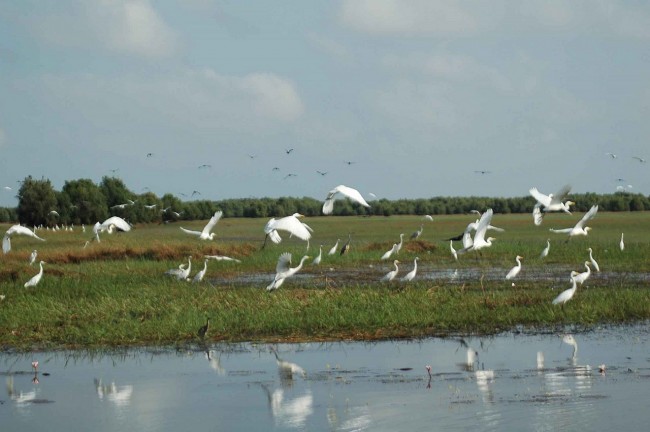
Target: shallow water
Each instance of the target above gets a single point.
(507, 382)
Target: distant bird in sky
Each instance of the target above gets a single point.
(516, 269)
(252, 156)
(579, 228)
(114, 170)
(411, 275)
(612, 155)
(289, 175)
(195, 192)
(205, 166)
(283, 270)
(150, 207)
(350, 162)
(321, 172)
(391, 274)
(37, 278)
(353, 194)
(593, 261)
(482, 172)
(288, 151)
(119, 206)
(334, 248)
(16, 230)
(206, 233)
(566, 295)
(7, 188)
(32, 257)
(275, 169)
(291, 224)
(640, 159)
(149, 154)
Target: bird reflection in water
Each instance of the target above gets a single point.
(215, 362)
(20, 398)
(120, 396)
(570, 340)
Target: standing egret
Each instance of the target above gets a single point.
(206, 233)
(32, 257)
(593, 261)
(391, 274)
(283, 271)
(410, 275)
(621, 244)
(479, 241)
(551, 202)
(566, 295)
(346, 247)
(579, 228)
(582, 277)
(390, 252)
(181, 273)
(36, 279)
(334, 248)
(16, 230)
(199, 276)
(317, 260)
(453, 251)
(544, 253)
(417, 233)
(401, 243)
(291, 224)
(353, 194)
(516, 269)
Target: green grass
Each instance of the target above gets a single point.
(114, 293)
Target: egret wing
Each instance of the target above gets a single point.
(294, 226)
(213, 221)
(559, 197)
(284, 263)
(589, 215)
(544, 200)
(185, 230)
(483, 224)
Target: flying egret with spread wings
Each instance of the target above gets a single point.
(551, 202)
(353, 194)
(579, 228)
(284, 270)
(479, 241)
(206, 233)
(291, 224)
(16, 230)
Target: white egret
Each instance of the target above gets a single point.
(286, 369)
(181, 273)
(291, 224)
(114, 223)
(150, 207)
(391, 274)
(428, 217)
(221, 258)
(516, 269)
(353, 194)
(318, 259)
(401, 243)
(479, 241)
(390, 252)
(206, 233)
(283, 270)
(334, 248)
(411, 275)
(16, 230)
(453, 251)
(612, 155)
(593, 261)
(566, 295)
(579, 228)
(53, 213)
(545, 251)
(417, 233)
(551, 202)
(199, 276)
(621, 244)
(640, 159)
(37, 278)
(582, 277)
(32, 257)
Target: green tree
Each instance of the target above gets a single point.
(86, 200)
(36, 198)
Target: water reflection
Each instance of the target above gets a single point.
(343, 386)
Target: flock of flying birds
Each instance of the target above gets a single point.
(474, 239)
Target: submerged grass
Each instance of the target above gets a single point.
(114, 293)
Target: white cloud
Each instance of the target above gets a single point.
(130, 27)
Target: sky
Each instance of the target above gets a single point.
(401, 99)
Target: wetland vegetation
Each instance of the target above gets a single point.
(115, 293)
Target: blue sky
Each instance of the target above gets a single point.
(419, 94)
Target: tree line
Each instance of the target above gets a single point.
(85, 202)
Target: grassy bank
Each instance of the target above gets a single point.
(114, 292)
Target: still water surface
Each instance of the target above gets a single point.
(507, 382)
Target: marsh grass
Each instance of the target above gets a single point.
(114, 293)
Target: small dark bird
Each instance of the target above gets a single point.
(290, 175)
(349, 162)
(417, 233)
(321, 172)
(289, 150)
(204, 329)
(195, 192)
(205, 166)
(482, 172)
(149, 154)
(114, 170)
(275, 169)
(252, 156)
(346, 247)
(457, 238)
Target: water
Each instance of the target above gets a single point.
(507, 382)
